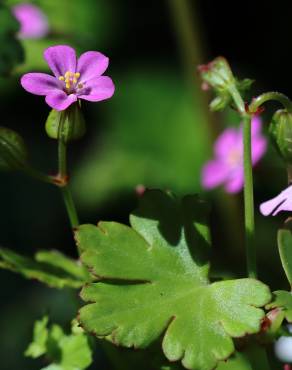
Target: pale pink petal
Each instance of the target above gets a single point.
(259, 147)
(256, 125)
(39, 83)
(225, 142)
(97, 89)
(214, 173)
(282, 202)
(59, 100)
(33, 22)
(61, 58)
(91, 64)
(235, 182)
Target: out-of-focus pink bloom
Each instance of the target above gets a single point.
(33, 22)
(73, 79)
(282, 202)
(227, 166)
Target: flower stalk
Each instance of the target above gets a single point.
(62, 176)
(248, 199)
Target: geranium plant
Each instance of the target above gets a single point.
(147, 285)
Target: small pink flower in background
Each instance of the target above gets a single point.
(33, 22)
(73, 79)
(282, 202)
(227, 166)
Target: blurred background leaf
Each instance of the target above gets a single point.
(156, 137)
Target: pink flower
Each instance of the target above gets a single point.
(73, 79)
(33, 22)
(227, 167)
(282, 202)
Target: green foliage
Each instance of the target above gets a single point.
(161, 141)
(40, 336)
(252, 358)
(49, 267)
(285, 250)
(126, 359)
(283, 301)
(154, 280)
(13, 151)
(67, 352)
(11, 52)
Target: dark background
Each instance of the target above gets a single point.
(148, 64)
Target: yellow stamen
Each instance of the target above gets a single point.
(67, 86)
(74, 80)
(67, 74)
(61, 78)
(77, 75)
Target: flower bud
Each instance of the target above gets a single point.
(281, 133)
(68, 124)
(13, 152)
(217, 74)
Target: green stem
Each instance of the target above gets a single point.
(38, 175)
(63, 177)
(249, 224)
(62, 158)
(248, 199)
(261, 99)
(70, 206)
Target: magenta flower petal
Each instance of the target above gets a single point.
(259, 147)
(214, 173)
(98, 89)
(33, 22)
(39, 83)
(256, 125)
(61, 59)
(235, 182)
(59, 100)
(70, 84)
(91, 64)
(228, 150)
(225, 141)
(282, 202)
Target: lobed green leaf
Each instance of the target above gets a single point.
(154, 281)
(49, 267)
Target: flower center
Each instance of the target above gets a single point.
(234, 158)
(71, 81)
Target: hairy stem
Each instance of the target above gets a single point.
(249, 224)
(248, 199)
(263, 98)
(63, 178)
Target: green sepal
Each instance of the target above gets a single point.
(285, 250)
(281, 133)
(49, 267)
(217, 74)
(13, 151)
(68, 125)
(220, 102)
(244, 85)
